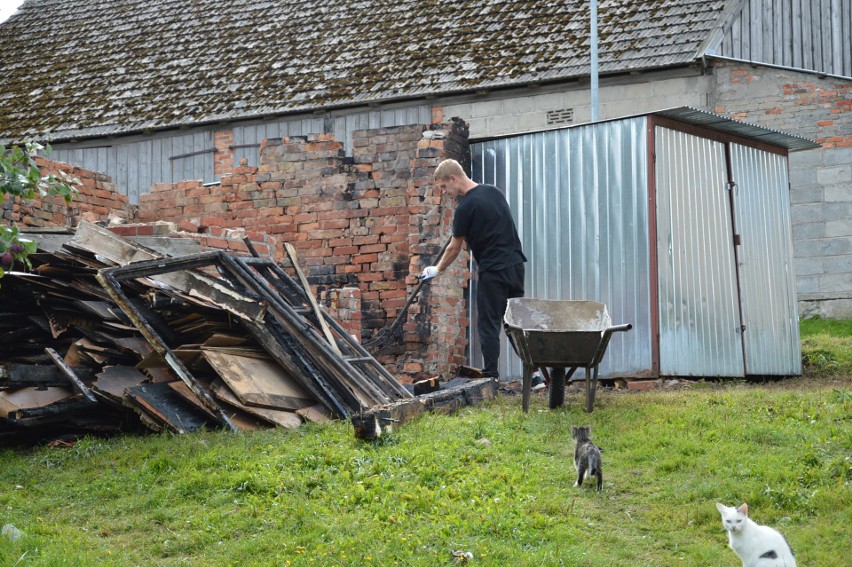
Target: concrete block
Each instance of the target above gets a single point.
(809, 231)
(807, 284)
(548, 101)
(839, 228)
(485, 108)
(804, 195)
(834, 175)
(807, 213)
(809, 266)
(840, 193)
(838, 283)
(519, 105)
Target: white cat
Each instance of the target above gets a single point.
(756, 545)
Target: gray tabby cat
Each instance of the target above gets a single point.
(587, 456)
(756, 545)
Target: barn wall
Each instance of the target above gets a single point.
(805, 34)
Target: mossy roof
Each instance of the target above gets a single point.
(91, 68)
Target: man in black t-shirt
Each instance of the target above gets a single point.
(484, 220)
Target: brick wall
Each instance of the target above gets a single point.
(97, 199)
(360, 226)
(818, 108)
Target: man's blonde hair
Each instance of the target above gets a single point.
(448, 168)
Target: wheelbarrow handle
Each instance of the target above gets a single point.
(617, 328)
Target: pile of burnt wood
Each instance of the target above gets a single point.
(106, 335)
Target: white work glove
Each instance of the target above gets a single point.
(430, 272)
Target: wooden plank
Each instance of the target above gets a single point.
(38, 375)
(27, 398)
(287, 419)
(291, 253)
(137, 345)
(259, 382)
(318, 414)
(113, 382)
(72, 377)
(168, 407)
(370, 424)
(112, 248)
(180, 387)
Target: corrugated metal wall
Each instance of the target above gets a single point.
(581, 204)
(762, 216)
(579, 197)
(137, 163)
(698, 303)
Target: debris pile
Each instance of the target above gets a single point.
(105, 335)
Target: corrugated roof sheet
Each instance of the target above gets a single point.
(734, 127)
(77, 68)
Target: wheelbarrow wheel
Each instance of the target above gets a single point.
(556, 393)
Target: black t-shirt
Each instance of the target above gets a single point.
(484, 220)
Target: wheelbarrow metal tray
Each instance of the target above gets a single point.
(559, 333)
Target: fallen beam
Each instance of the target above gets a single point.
(370, 424)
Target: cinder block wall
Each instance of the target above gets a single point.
(362, 223)
(818, 108)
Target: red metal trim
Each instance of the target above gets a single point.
(654, 280)
(718, 136)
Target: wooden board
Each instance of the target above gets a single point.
(291, 252)
(287, 419)
(28, 398)
(259, 382)
(318, 413)
(181, 388)
(113, 382)
(168, 407)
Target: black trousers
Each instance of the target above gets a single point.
(494, 289)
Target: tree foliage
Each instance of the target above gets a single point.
(21, 177)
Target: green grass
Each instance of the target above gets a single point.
(488, 480)
(826, 345)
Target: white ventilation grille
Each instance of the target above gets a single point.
(562, 116)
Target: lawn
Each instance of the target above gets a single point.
(488, 485)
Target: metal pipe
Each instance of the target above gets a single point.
(594, 47)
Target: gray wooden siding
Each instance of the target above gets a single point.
(247, 138)
(805, 34)
(136, 163)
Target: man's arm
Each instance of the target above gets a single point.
(451, 253)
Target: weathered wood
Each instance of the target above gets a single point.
(291, 253)
(114, 381)
(317, 413)
(167, 406)
(38, 375)
(393, 415)
(287, 419)
(110, 283)
(72, 377)
(12, 401)
(278, 281)
(259, 382)
(56, 411)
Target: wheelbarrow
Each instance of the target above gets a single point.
(559, 334)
